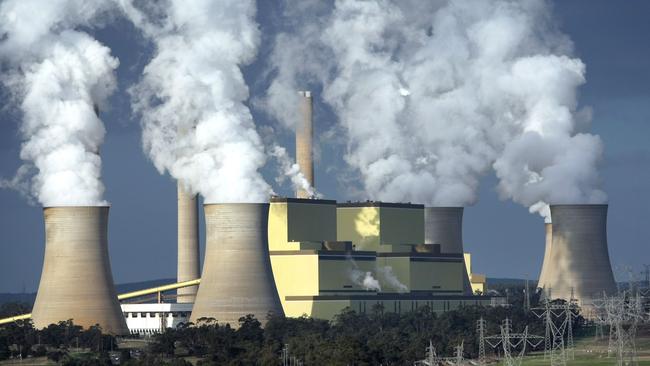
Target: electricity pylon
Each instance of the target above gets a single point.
(558, 321)
(513, 344)
(622, 314)
(480, 329)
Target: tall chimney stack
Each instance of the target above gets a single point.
(188, 244)
(444, 226)
(76, 281)
(304, 135)
(237, 279)
(579, 260)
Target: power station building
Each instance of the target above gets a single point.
(327, 256)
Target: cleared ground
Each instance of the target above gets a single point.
(591, 352)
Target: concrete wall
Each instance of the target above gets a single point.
(237, 278)
(76, 281)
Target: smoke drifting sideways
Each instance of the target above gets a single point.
(287, 168)
(191, 97)
(58, 75)
(433, 95)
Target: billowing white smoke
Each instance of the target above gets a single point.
(431, 95)
(292, 170)
(59, 76)
(191, 97)
(365, 280)
(388, 277)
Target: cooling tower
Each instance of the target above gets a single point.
(237, 279)
(547, 254)
(443, 226)
(76, 281)
(188, 244)
(579, 258)
(304, 133)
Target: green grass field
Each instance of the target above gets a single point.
(589, 352)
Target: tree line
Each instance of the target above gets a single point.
(372, 338)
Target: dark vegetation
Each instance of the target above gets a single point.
(376, 337)
(57, 342)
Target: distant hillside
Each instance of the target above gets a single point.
(510, 282)
(120, 288)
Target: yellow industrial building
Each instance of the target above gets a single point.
(327, 256)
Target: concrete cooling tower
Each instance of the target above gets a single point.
(304, 134)
(579, 258)
(237, 279)
(443, 226)
(188, 244)
(76, 281)
(547, 254)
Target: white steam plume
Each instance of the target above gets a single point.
(292, 170)
(431, 95)
(192, 94)
(365, 279)
(388, 276)
(59, 75)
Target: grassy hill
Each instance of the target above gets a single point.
(29, 298)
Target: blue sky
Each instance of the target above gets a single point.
(505, 240)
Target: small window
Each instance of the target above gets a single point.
(152, 315)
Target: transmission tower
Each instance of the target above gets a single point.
(527, 297)
(431, 358)
(622, 314)
(570, 315)
(558, 322)
(480, 329)
(513, 344)
(459, 354)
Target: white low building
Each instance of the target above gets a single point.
(147, 319)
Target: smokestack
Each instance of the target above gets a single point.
(304, 134)
(76, 281)
(579, 259)
(237, 279)
(443, 226)
(547, 254)
(188, 244)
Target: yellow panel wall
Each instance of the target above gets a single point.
(437, 276)
(278, 228)
(360, 225)
(401, 225)
(400, 268)
(311, 222)
(295, 275)
(292, 223)
(468, 263)
(337, 274)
